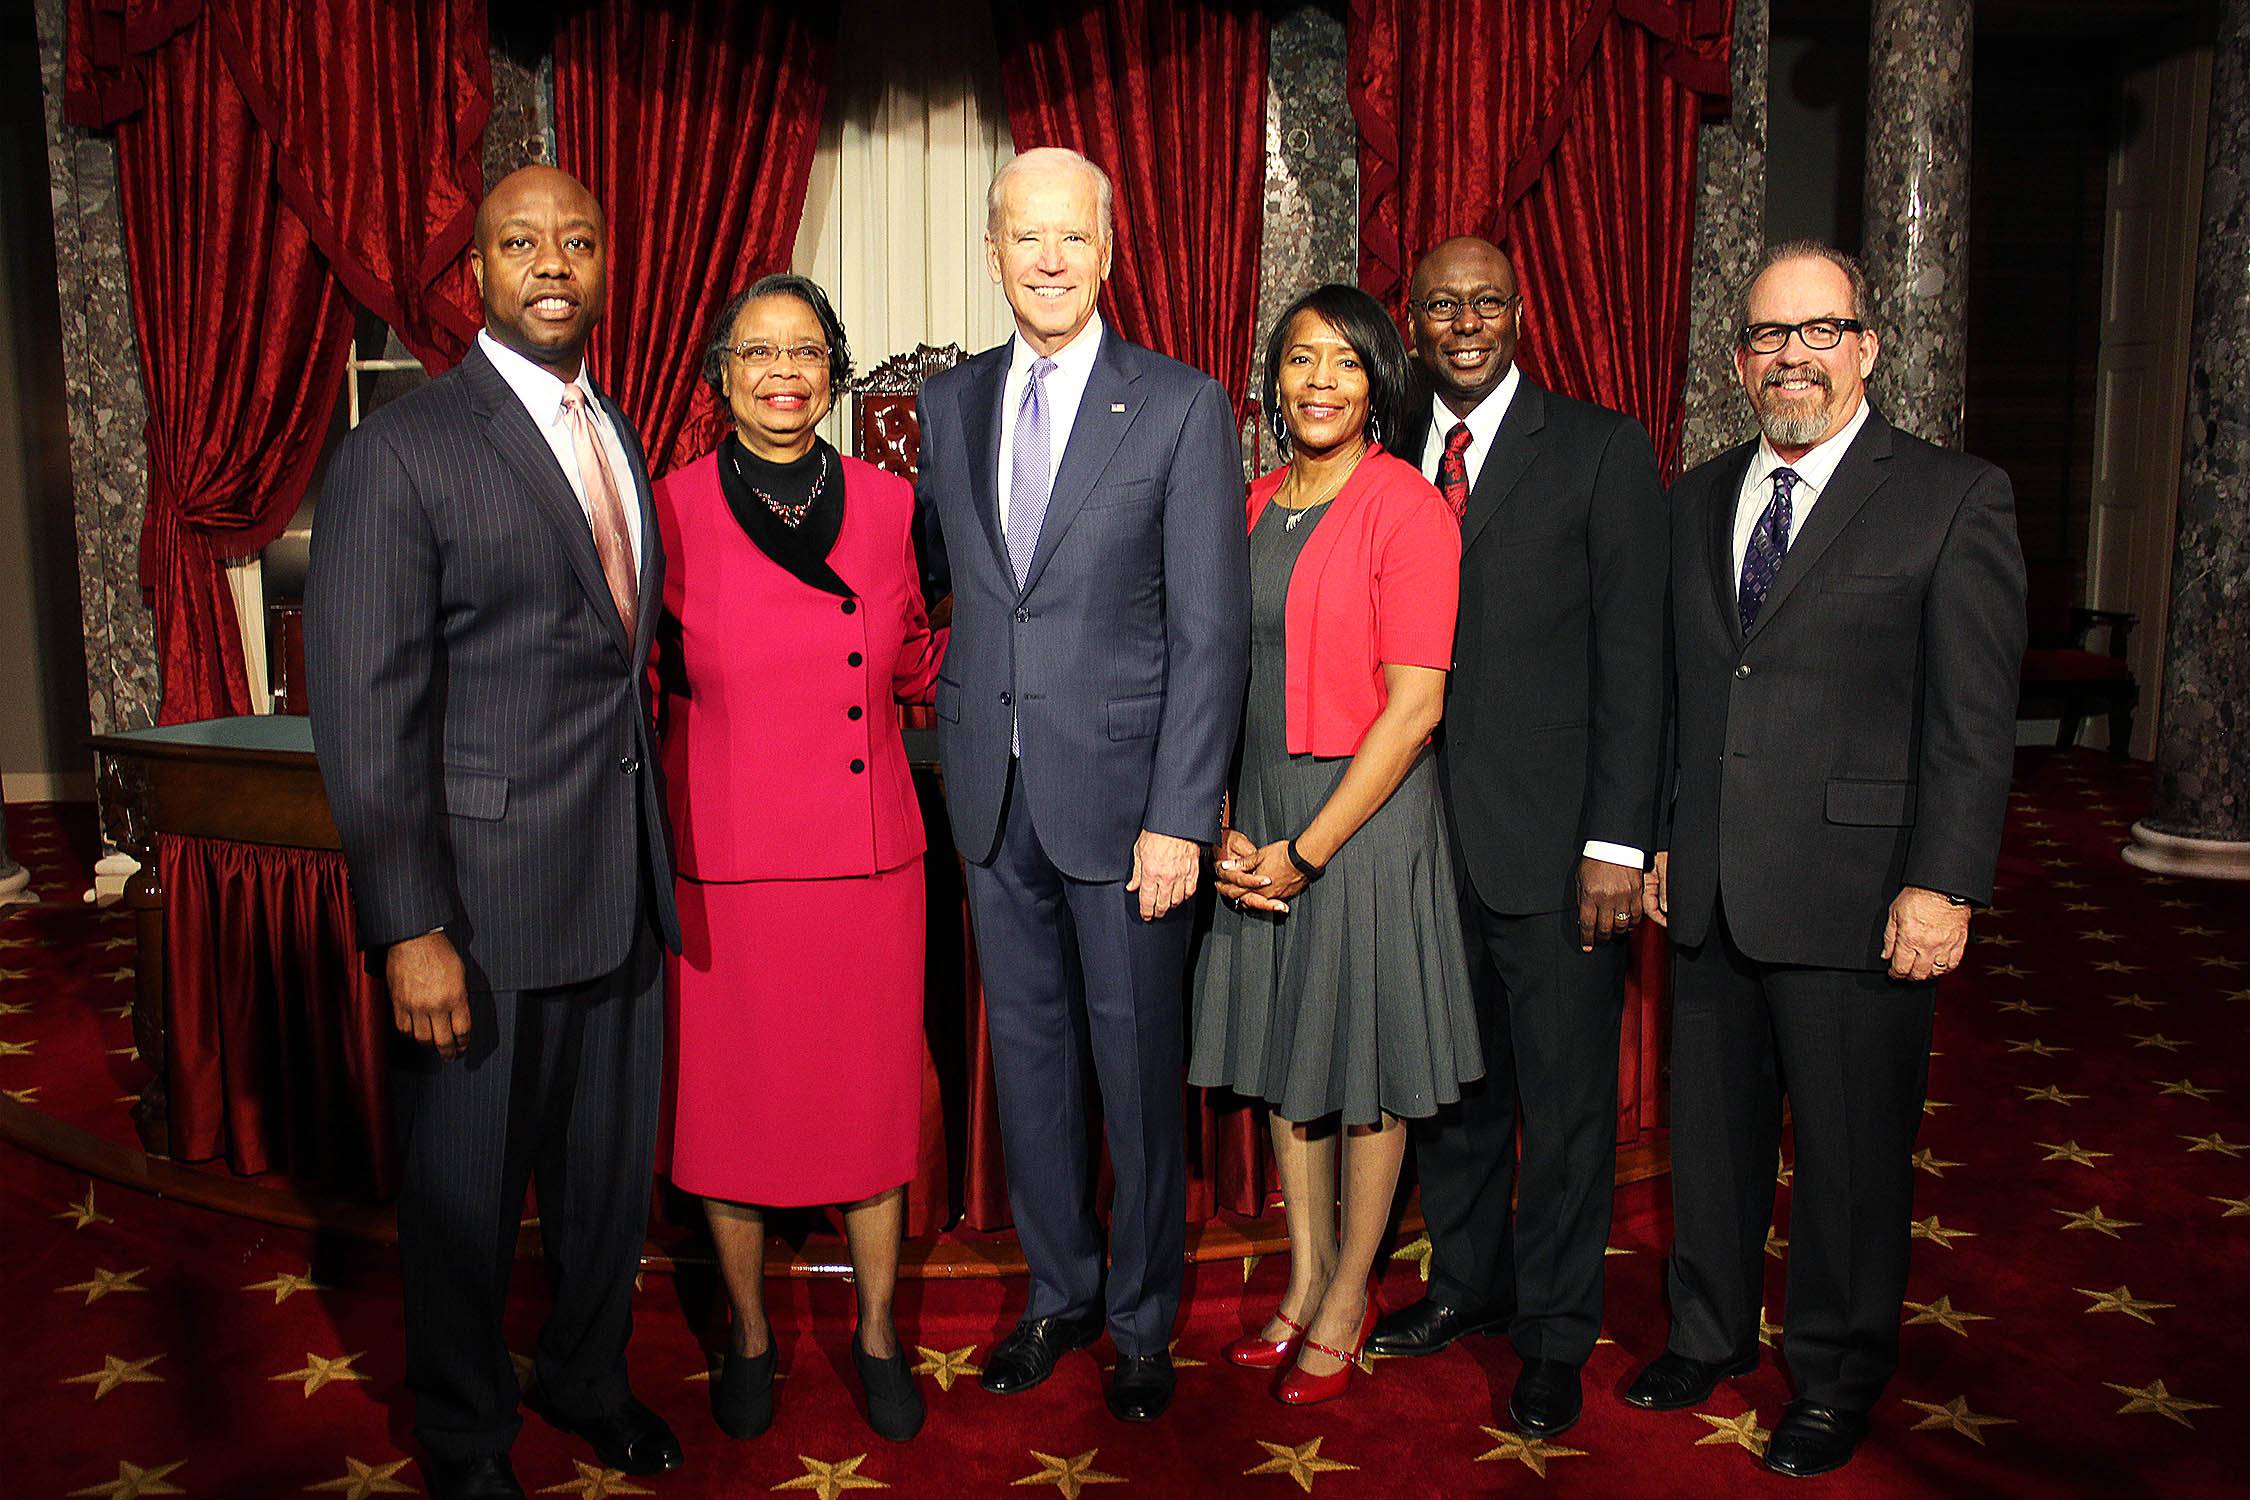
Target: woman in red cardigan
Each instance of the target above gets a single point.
(1333, 983)
(794, 629)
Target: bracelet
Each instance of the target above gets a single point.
(1305, 867)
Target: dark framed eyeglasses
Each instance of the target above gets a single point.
(1813, 333)
(1446, 309)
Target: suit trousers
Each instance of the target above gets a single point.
(1549, 1015)
(558, 1086)
(1070, 968)
(1850, 1048)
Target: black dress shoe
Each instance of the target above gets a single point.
(1141, 1387)
(1813, 1439)
(1027, 1356)
(742, 1396)
(485, 1478)
(1547, 1398)
(1426, 1327)
(894, 1402)
(631, 1438)
(1672, 1381)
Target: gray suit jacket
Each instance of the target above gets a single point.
(1125, 655)
(476, 706)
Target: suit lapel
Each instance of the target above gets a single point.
(1856, 479)
(1725, 493)
(980, 429)
(1104, 412)
(1514, 446)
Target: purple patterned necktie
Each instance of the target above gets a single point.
(1761, 560)
(1031, 471)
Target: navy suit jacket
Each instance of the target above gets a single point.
(477, 708)
(1124, 656)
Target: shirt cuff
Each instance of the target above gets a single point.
(1616, 854)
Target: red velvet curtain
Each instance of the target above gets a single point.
(1169, 96)
(694, 124)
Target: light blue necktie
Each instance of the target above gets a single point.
(1031, 472)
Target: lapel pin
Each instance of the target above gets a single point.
(1118, 407)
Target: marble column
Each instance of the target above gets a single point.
(1917, 210)
(2200, 821)
(521, 130)
(1730, 226)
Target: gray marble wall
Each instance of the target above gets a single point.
(521, 130)
(1917, 210)
(1730, 221)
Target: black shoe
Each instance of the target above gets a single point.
(485, 1478)
(1141, 1387)
(1027, 1356)
(630, 1438)
(1547, 1398)
(742, 1396)
(1812, 1439)
(1426, 1327)
(1671, 1381)
(894, 1403)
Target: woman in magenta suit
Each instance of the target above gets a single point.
(795, 629)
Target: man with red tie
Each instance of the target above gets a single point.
(1553, 729)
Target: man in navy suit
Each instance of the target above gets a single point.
(485, 578)
(1083, 501)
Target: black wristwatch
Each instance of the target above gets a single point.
(1305, 867)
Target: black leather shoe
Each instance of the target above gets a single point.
(486, 1478)
(1547, 1398)
(1426, 1327)
(1141, 1387)
(1027, 1356)
(1671, 1381)
(631, 1438)
(1813, 1439)
(894, 1403)
(742, 1396)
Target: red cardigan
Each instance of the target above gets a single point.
(782, 758)
(1378, 583)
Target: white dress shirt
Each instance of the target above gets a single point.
(541, 392)
(1065, 389)
(1814, 471)
(1484, 423)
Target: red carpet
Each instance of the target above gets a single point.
(2079, 1322)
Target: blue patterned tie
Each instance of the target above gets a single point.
(1761, 560)
(1031, 471)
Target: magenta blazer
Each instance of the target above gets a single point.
(782, 755)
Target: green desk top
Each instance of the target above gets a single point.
(273, 733)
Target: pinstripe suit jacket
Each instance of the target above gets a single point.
(476, 706)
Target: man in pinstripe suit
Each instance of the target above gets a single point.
(485, 578)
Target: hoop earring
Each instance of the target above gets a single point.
(1280, 434)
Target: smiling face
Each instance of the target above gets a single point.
(1467, 355)
(777, 405)
(1803, 396)
(1323, 386)
(1049, 251)
(541, 263)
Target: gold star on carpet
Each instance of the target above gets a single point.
(2070, 1151)
(116, 974)
(133, 1481)
(83, 1213)
(945, 1366)
(286, 1285)
(1931, 1229)
(2236, 995)
(1927, 1160)
(119, 1012)
(2115, 966)
(1943, 1313)
(15, 943)
(2137, 1002)
(1768, 1331)
(2187, 1087)
(2154, 1398)
(116, 1372)
(2008, 971)
(1783, 1173)
(2036, 1047)
(1742, 1431)
(1071, 1475)
(361, 1480)
(2025, 1007)
(1419, 1251)
(2082, 906)
(2120, 1299)
(105, 1282)
(1996, 940)
(2199, 932)
(2174, 901)
(17, 1049)
(15, 1007)
(1608, 1250)
(1932, 1106)
(15, 973)
(1532, 1453)
(125, 942)
(319, 1372)
(828, 1480)
(2156, 1039)
(26, 1095)
(2093, 1218)
(1775, 1244)
(1955, 1416)
(2220, 963)
(597, 1483)
(2051, 1094)
(2096, 935)
(2214, 1142)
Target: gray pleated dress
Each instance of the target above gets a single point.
(1357, 1001)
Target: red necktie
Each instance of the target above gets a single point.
(1453, 470)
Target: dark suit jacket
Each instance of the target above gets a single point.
(476, 707)
(1554, 715)
(1861, 738)
(1125, 655)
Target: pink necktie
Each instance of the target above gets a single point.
(611, 541)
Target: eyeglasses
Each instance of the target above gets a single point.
(1443, 309)
(759, 356)
(1814, 333)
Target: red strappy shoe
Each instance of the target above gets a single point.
(1297, 1388)
(1254, 1353)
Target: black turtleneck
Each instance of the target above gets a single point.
(803, 549)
